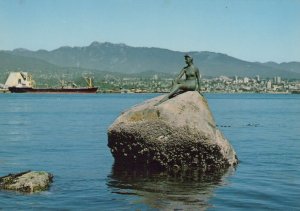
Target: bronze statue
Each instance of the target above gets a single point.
(191, 82)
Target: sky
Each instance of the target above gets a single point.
(251, 30)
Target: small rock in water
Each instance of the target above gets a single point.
(28, 182)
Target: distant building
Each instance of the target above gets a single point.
(277, 79)
(257, 78)
(246, 80)
(18, 79)
(269, 85)
(235, 79)
(224, 78)
(155, 77)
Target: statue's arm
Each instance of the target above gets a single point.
(180, 75)
(198, 78)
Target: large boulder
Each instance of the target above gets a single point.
(179, 134)
(29, 181)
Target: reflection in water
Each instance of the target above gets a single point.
(165, 191)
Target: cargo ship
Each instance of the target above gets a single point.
(21, 82)
(76, 90)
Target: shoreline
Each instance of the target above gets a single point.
(104, 92)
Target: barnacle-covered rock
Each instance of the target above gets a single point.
(179, 134)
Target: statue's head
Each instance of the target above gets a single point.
(188, 58)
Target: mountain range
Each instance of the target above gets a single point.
(120, 58)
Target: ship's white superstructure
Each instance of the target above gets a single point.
(18, 79)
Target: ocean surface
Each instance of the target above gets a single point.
(67, 136)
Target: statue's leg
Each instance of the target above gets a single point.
(170, 95)
(174, 90)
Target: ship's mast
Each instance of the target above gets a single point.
(89, 81)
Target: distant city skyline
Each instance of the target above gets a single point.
(256, 30)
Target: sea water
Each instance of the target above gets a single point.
(67, 136)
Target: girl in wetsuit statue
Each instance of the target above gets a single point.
(190, 83)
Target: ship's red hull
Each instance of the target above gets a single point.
(84, 90)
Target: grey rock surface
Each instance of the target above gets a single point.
(29, 182)
(179, 134)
